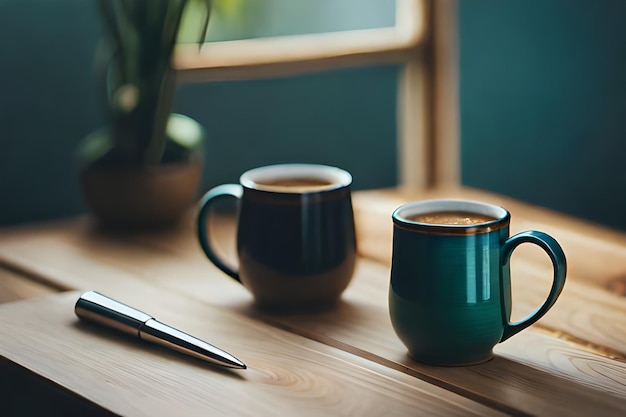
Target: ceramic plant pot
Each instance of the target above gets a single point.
(141, 198)
(136, 196)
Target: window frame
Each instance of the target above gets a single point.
(425, 91)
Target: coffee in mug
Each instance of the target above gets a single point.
(296, 184)
(450, 291)
(452, 217)
(296, 240)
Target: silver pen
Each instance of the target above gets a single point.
(95, 307)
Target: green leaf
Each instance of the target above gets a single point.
(134, 63)
(185, 131)
(195, 22)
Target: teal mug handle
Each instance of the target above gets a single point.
(212, 196)
(555, 252)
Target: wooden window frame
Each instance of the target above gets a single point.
(422, 41)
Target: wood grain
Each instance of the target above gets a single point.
(14, 286)
(573, 361)
(535, 372)
(589, 310)
(287, 375)
(538, 367)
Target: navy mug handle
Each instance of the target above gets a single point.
(219, 192)
(555, 252)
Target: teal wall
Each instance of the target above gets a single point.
(48, 103)
(543, 102)
(344, 118)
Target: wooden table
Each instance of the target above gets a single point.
(346, 361)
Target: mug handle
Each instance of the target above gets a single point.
(219, 192)
(555, 252)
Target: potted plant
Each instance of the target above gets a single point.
(143, 169)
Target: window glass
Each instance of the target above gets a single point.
(248, 19)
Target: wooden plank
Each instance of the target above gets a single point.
(539, 367)
(15, 286)
(597, 324)
(541, 372)
(528, 296)
(287, 374)
(288, 55)
(534, 372)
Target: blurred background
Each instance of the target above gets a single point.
(542, 99)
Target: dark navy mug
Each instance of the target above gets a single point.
(450, 290)
(296, 240)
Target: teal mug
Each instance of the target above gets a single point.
(450, 289)
(296, 241)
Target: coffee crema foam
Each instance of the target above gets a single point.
(451, 218)
(295, 184)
